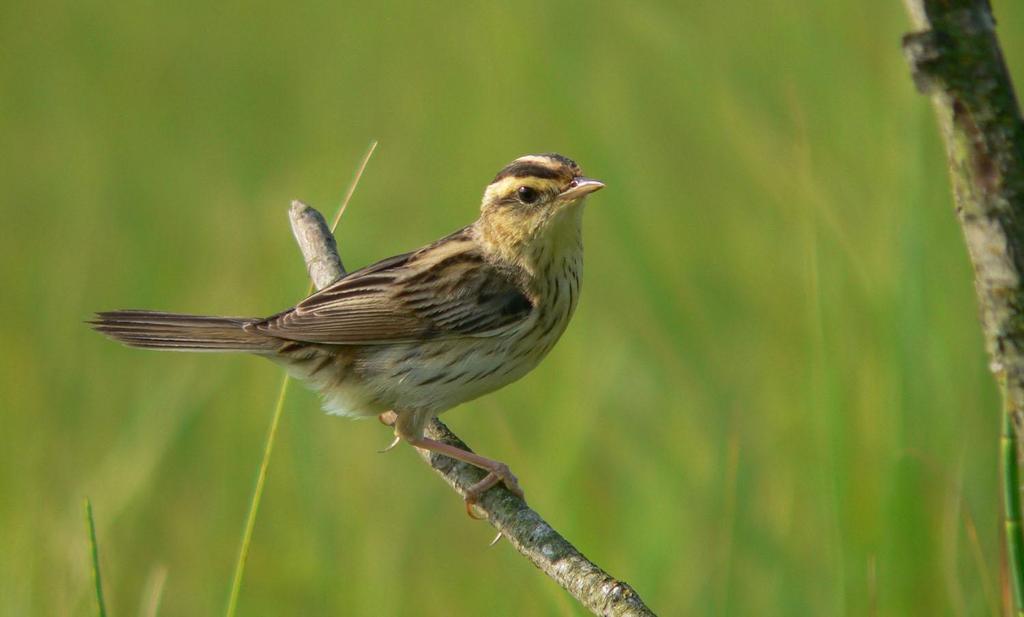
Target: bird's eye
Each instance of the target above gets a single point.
(527, 194)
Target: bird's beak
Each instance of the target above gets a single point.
(581, 187)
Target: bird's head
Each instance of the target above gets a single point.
(534, 204)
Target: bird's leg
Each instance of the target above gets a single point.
(409, 427)
(496, 470)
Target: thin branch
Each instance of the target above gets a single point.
(525, 529)
(955, 58)
(317, 244)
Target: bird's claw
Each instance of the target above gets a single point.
(394, 442)
(499, 473)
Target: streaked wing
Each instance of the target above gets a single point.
(445, 290)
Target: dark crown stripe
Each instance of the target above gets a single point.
(529, 170)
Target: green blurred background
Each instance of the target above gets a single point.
(773, 399)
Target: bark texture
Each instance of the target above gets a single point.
(955, 58)
(526, 530)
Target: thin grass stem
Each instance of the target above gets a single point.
(352, 187)
(257, 495)
(275, 421)
(1012, 509)
(94, 550)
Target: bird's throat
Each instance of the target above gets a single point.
(538, 246)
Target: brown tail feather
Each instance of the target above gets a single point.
(156, 330)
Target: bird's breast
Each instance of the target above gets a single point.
(436, 375)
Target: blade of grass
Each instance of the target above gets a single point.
(153, 592)
(90, 524)
(261, 477)
(1012, 509)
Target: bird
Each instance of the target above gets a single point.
(414, 335)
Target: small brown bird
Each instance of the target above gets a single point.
(417, 334)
